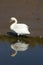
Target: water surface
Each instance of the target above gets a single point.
(32, 55)
(29, 12)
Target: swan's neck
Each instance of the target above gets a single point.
(14, 22)
(14, 54)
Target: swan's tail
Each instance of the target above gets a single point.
(27, 32)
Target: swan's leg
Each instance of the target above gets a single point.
(18, 34)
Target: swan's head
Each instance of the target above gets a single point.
(13, 19)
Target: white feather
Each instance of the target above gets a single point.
(19, 28)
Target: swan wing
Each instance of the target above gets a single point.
(21, 28)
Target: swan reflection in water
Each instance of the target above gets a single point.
(18, 46)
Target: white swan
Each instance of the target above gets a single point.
(19, 46)
(19, 28)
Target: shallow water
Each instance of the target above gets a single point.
(32, 55)
(29, 12)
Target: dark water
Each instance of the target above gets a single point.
(31, 56)
(29, 12)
